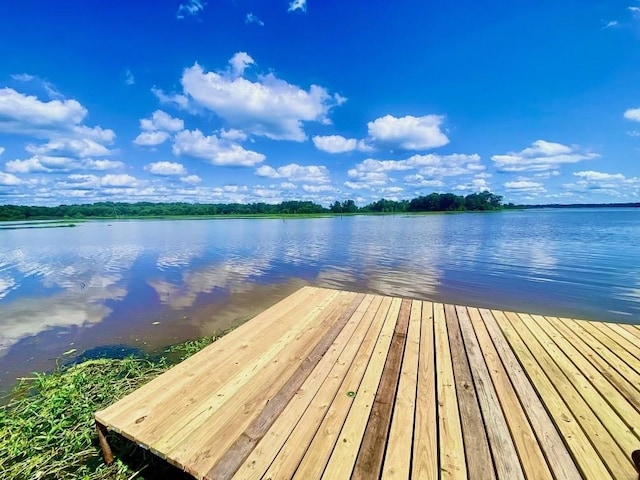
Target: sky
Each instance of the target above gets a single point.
(222, 101)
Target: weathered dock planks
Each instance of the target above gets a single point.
(336, 385)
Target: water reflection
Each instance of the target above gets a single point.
(160, 281)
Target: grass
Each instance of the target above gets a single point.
(47, 429)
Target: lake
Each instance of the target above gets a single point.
(137, 285)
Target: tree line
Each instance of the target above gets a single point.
(430, 203)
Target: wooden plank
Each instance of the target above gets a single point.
(227, 413)
(524, 439)
(345, 452)
(602, 424)
(503, 450)
(264, 327)
(610, 344)
(451, 446)
(321, 386)
(557, 392)
(476, 444)
(319, 450)
(622, 425)
(517, 358)
(397, 461)
(425, 442)
(623, 338)
(227, 464)
(371, 455)
(622, 380)
(632, 330)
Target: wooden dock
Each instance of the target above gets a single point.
(337, 385)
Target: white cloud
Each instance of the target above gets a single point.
(612, 184)
(475, 185)
(178, 100)
(103, 165)
(9, 180)
(357, 185)
(42, 164)
(233, 135)
(150, 139)
(217, 151)
(57, 121)
(418, 180)
(268, 107)
(71, 147)
(340, 144)
(21, 113)
(409, 132)
(106, 183)
(611, 24)
(635, 11)
(190, 8)
(430, 165)
(239, 63)
(252, 18)
(1, 150)
(166, 168)
(593, 176)
(298, 5)
(119, 180)
(632, 114)
(191, 179)
(318, 188)
(161, 120)
(295, 172)
(541, 156)
(51, 164)
(525, 186)
(129, 79)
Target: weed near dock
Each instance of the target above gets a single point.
(47, 429)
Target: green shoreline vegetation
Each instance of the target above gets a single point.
(47, 427)
(435, 202)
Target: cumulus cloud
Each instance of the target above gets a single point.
(340, 144)
(215, 150)
(268, 107)
(161, 120)
(9, 180)
(58, 121)
(103, 165)
(475, 185)
(318, 188)
(166, 168)
(239, 63)
(72, 147)
(191, 179)
(295, 172)
(26, 114)
(431, 165)
(635, 11)
(156, 130)
(1, 150)
(632, 114)
(151, 139)
(190, 8)
(613, 184)
(252, 18)
(409, 132)
(51, 164)
(298, 5)
(541, 156)
(525, 186)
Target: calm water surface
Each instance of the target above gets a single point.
(145, 284)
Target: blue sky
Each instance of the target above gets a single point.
(246, 100)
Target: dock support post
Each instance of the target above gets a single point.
(635, 458)
(104, 444)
